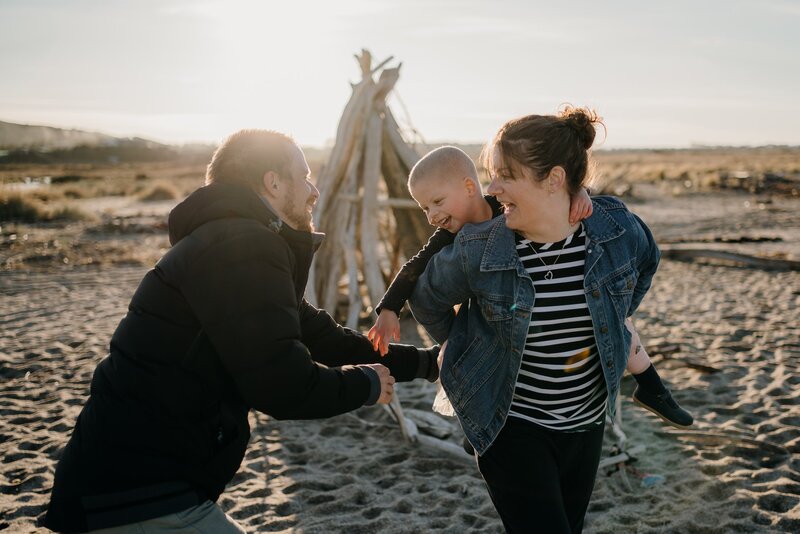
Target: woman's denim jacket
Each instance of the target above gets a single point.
(482, 270)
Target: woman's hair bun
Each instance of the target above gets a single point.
(582, 121)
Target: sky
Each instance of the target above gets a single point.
(667, 74)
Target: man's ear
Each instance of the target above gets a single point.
(272, 184)
(557, 178)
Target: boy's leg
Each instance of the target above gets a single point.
(650, 392)
(652, 395)
(643, 371)
(520, 469)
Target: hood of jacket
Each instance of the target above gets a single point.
(219, 201)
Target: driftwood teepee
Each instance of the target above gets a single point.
(372, 222)
(364, 207)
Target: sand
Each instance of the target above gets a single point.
(736, 470)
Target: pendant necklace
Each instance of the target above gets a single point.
(549, 274)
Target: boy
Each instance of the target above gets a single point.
(445, 185)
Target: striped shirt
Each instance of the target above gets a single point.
(560, 385)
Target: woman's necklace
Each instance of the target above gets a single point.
(549, 274)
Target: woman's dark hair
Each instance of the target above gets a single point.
(541, 142)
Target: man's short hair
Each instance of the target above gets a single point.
(245, 156)
(445, 161)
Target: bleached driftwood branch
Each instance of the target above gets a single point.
(691, 253)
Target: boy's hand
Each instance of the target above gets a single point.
(385, 329)
(580, 206)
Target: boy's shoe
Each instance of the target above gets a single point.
(663, 406)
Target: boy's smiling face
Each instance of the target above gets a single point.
(447, 201)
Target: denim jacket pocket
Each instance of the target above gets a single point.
(621, 289)
(498, 311)
(496, 308)
(458, 362)
(471, 369)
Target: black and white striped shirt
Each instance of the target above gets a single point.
(560, 385)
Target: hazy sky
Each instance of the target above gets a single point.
(661, 74)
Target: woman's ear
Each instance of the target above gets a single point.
(556, 179)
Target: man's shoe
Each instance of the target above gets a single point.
(663, 406)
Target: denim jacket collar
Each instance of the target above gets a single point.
(500, 253)
(601, 227)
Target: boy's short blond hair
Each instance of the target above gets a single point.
(443, 162)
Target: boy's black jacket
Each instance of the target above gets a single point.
(218, 327)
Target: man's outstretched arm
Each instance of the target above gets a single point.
(334, 345)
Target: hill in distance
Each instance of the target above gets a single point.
(27, 136)
(25, 143)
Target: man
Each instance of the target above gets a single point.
(219, 326)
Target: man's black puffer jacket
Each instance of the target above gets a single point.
(218, 327)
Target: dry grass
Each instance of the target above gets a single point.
(20, 207)
(94, 181)
(114, 237)
(682, 172)
(160, 191)
(685, 171)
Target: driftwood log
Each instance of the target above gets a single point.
(694, 252)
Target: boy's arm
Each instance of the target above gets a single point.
(443, 285)
(580, 206)
(403, 284)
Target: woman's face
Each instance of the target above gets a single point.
(524, 199)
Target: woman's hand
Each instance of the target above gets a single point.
(385, 329)
(580, 206)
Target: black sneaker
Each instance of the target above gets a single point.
(468, 447)
(663, 406)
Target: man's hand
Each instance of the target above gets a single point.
(385, 329)
(440, 359)
(387, 382)
(580, 206)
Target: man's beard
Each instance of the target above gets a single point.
(299, 219)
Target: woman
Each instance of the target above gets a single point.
(536, 353)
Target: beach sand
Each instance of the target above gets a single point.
(736, 470)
